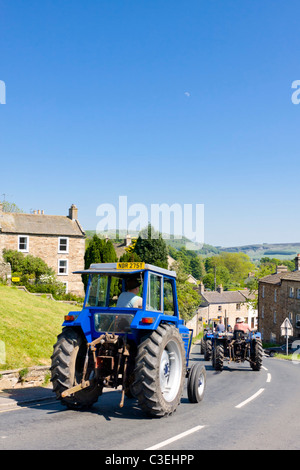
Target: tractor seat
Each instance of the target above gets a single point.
(239, 335)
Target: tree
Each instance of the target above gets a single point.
(26, 265)
(151, 247)
(188, 297)
(11, 207)
(99, 251)
(231, 269)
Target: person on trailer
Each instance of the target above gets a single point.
(130, 298)
(220, 328)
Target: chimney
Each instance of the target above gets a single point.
(201, 288)
(281, 269)
(297, 263)
(73, 212)
(220, 289)
(128, 240)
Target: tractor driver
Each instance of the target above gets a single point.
(130, 298)
(241, 325)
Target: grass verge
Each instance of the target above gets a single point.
(29, 326)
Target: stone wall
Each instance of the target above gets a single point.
(5, 272)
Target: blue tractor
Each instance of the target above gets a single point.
(237, 347)
(142, 346)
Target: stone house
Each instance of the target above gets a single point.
(58, 240)
(279, 298)
(228, 305)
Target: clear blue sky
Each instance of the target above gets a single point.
(163, 101)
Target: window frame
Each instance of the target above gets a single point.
(59, 250)
(148, 306)
(26, 250)
(67, 267)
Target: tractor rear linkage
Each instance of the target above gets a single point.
(107, 340)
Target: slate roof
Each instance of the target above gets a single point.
(225, 297)
(276, 278)
(32, 224)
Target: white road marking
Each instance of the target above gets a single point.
(250, 398)
(175, 438)
(269, 377)
(264, 368)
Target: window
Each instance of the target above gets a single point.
(238, 306)
(63, 267)
(291, 292)
(291, 317)
(169, 308)
(274, 317)
(63, 245)
(263, 292)
(23, 243)
(298, 293)
(263, 312)
(275, 295)
(154, 293)
(220, 308)
(297, 321)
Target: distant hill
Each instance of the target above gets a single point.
(255, 251)
(271, 250)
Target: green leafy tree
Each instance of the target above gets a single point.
(151, 247)
(11, 207)
(26, 265)
(188, 297)
(98, 251)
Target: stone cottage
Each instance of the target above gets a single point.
(228, 305)
(58, 240)
(279, 298)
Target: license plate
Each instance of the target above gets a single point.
(131, 265)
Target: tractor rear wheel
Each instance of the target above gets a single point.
(68, 358)
(218, 357)
(160, 371)
(257, 355)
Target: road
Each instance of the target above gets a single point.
(242, 409)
